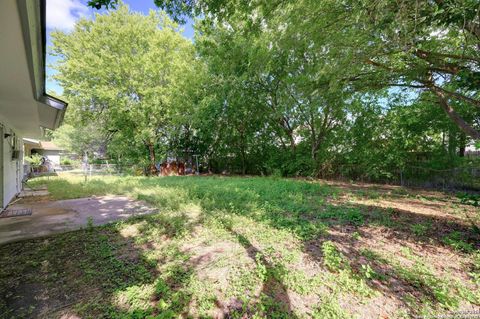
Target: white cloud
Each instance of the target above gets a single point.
(62, 14)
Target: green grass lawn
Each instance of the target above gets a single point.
(228, 247)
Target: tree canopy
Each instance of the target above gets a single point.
(125, 69)
(356, 88)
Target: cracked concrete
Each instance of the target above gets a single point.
(50, 217)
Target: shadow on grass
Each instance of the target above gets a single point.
(297, 206)
(408, 285)
(99, 272)
(274, 298)
(48, 276)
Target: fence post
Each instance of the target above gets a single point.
(401, 178)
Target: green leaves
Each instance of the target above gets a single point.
(124, 70)
(321, 88)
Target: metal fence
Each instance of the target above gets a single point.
(465, 178)
(472, 154)
(459, 178)
(91, 169)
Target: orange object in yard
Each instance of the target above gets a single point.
(172, 168)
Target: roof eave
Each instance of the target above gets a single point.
(33, 19)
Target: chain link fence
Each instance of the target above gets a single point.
(460, 178)
(91, 169)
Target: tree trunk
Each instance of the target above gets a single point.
(152, 169)
(457, 119)
(210, 170)
(452, 142)
(244, 164)
(293, 146)
(317, 141)
(462, 146)
(314, 150)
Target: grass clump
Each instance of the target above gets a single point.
(347, 280)
(469, 199)
(332, 258)
(420, 230)
(343, 215)
(329, 308)
(455, 240)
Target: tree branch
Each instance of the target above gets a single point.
(454, 116)
(425, 54)
(407, 85)
(458, 96)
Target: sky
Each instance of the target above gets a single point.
(62, 15)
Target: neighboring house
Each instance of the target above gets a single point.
(25, 109)
(47, 149)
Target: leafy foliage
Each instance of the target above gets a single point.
(356, 90)
(128, 94)
(469, 199)
(35, 160)
(332, 258)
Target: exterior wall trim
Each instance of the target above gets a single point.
(33, 20)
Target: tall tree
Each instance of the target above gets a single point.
(423, 44)
(123, 67)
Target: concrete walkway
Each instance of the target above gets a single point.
(50, 217)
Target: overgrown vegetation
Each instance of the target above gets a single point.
(34, 160)
(248, 247)
(469, 199)
(384, 91)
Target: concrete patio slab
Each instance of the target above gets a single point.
(50, 217)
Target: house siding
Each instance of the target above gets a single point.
(51, 155)
(12, 168)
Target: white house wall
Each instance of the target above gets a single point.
(51, 155)
(12, 169)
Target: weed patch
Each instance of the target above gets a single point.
(240, 248)
(455, 240)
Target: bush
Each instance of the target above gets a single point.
(469, 199)
(66, 161)
(98, 161)
(35, 160)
